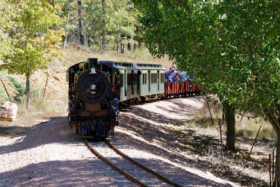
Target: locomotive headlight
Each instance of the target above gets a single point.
(92, 71)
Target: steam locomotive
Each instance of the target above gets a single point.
(98, 89)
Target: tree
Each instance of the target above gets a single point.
(6, 24)
(104, 48)
(36, 40)
(233, 46)
(105, 24)
(181, 30)
(110, 22)
(80, 28)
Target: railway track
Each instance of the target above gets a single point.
(131, 169)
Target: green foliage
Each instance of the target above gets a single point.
(6, 25)
(233, 46)
(35, 38)
(3, 97)
(120, 21)
(20, 89)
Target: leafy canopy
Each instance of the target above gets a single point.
(120, 19)
(35, 36)
(6, 12)
(233, 46)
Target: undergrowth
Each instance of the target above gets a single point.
(20, 90)
(245, 126)
(141, 55)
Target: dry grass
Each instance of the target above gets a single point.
(74, 55)
(248, 127)
(245, 126)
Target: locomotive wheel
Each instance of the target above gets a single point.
(85, 85)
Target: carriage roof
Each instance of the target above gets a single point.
(122, 65)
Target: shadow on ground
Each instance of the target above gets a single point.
(178, 174)
(40, 134)
(63, 173)
(12, 131)
(186, 141)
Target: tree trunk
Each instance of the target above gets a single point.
(223, 114)
(272, 113)
(230, 120)
(132, 40)
(139, 44)
(277, 167)
(88, 42)
(66, 32)
(122, 48)
(27, 90)
(81, 35)
(104, 47)
(118, 45)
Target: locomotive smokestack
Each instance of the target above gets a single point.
(93, 63)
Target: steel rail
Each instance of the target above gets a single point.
(163, 178)
(131, 178)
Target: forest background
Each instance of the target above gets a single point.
(33, 32)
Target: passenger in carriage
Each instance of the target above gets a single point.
(167, 74)
(191, 77)
(172, 75)
(184, 76)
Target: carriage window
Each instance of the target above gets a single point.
(154, 78)
(144, 78)
(135, 79)
(130, 79)
(162, 78)
(121, 80)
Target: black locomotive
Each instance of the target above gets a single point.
(93, 104)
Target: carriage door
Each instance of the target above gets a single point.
(132, 82)
(158, 80)
(125, 82)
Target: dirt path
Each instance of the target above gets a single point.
(163, 129)
(49, 155)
